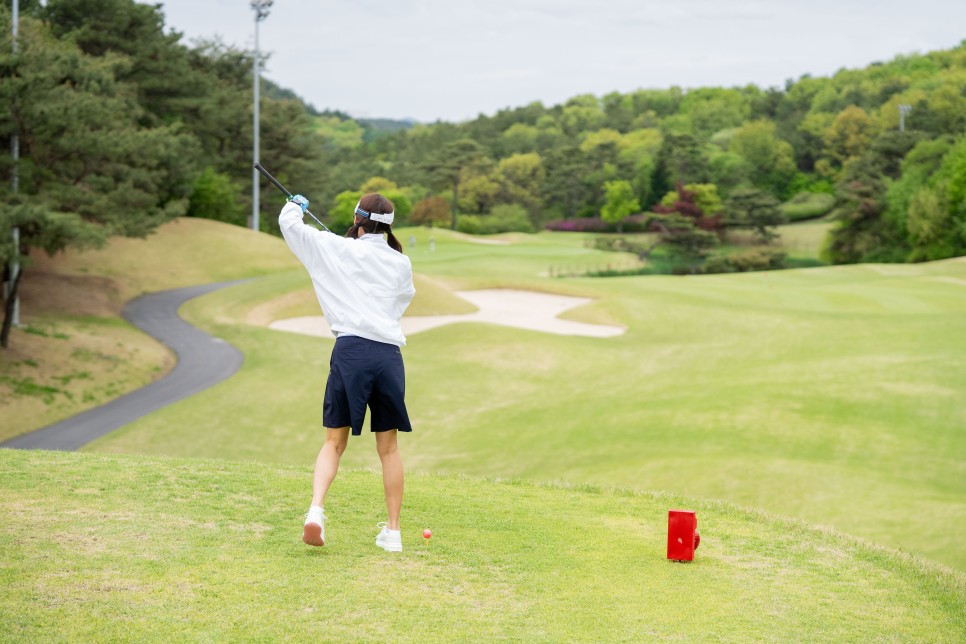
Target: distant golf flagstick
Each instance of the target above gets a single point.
(258, 166)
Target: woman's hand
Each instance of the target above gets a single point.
(301, 201)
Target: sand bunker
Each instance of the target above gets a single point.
(517, 309)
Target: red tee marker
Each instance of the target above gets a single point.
(682, 535)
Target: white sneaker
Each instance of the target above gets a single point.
(389, 540)
(313, 532)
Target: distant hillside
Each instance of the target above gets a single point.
(376, 126)
(885, 141)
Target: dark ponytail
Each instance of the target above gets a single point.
(374, 203)
(391, 239)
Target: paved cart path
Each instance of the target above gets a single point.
(203, 360)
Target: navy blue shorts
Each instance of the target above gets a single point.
(366, 373)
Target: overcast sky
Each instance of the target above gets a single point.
(452, 60)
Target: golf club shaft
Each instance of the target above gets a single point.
(258, 166)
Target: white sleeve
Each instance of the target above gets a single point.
(304, 240)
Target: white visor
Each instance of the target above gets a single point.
(375, 216)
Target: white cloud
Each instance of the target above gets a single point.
(455, 59)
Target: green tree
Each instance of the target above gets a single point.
(600, 158)
(290, 143)
(680, 160)
(688, 231)
(403, 205)
(714, 109)
(381, 185)
(754, 209)
(689, 246)
(519, 138)
(929, 226)
(637, 158)
(342, 212)
(582, 114)
(446, 167)
(947, 103)
(479, 189)
(564, 191)
(205, 89)
(154, 62)
(703, 195)
(339, 134)
(523, 177)
(859, 203)
(850, 134)
(430, 212)
(619, 202)
(916, 172)
(807, 138)
(771, 164)
(951, 179)
(89, 169)
(215, 196)
(726, 170)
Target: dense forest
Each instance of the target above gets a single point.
(881, 150)
(122, 126)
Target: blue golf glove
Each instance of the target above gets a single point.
(302, 201)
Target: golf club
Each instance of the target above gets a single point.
(258, 166)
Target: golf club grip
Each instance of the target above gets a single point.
(258, 166)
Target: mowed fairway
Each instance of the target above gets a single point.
(836, 395)
(133, 548)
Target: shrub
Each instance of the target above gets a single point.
(430, 211)
(342, 212)
(810, 183)
(469, 224)
(507, 218)
(808, 205)
(640, 247)
(215, 196)
(504, 218)
(743, 261)
(632, 224)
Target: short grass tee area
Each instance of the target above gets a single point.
(150, 549)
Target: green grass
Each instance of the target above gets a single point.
(804, 240)
(183, 252)
(835, 395)
(124, 548)
(74, 364)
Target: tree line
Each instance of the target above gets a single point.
(123, 126)
(880, 150)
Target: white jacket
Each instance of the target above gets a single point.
(363, 285)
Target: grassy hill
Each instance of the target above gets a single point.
(75, 351)
(98, 547)
(834, 395)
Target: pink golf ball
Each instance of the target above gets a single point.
(427, 533)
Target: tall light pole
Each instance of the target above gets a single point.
(261, 8)
(15, 186)
(903, 110)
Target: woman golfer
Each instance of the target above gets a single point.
(364, 284)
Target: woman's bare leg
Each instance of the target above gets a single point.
(392, 474)
(327, 463)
